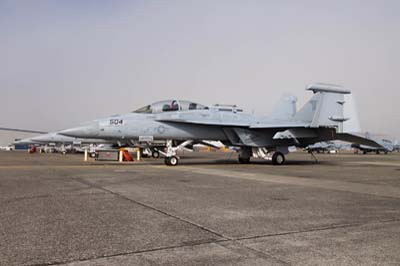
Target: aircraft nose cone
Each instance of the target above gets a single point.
(80, 132)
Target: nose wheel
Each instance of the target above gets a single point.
(171, 161)
(171, 157)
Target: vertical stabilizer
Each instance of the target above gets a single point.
(325, 108)
(285, 108)
(350, 111)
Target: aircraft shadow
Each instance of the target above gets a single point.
(235, 162)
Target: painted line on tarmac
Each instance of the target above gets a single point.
(77, 166)
(36, 167)
(378, 163)
(376, 190)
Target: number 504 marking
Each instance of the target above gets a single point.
(116, 121)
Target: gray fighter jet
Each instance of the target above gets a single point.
(320, 119)
(384, 145)
(396, 146)
(26, 141)
(56, 138)
(56, 142)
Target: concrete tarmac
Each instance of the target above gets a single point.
(209, 210)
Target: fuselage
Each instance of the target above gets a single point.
(135, 126)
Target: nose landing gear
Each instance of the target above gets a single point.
(171, 158)
(171, 161)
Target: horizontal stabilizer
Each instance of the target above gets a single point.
(324, 87)
(352, 138)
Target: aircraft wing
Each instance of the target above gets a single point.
(244, 132)
(353, 138)
(273, 124)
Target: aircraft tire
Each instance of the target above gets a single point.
(278, 158)
(155, 154)
(244, 160)
(171, 161)
(245, 155)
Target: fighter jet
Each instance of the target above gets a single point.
(396, 145)
(383, 145)
(321, 147)
(61, 143)
(26, 141)
(56, 138)
(256, 136)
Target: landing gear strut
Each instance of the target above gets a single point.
(171, 159)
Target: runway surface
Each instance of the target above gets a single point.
(209, 210)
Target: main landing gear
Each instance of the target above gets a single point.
(276, 157)
(245, 155)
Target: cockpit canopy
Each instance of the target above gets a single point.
(170, 106)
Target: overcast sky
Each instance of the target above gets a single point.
(66, 62)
